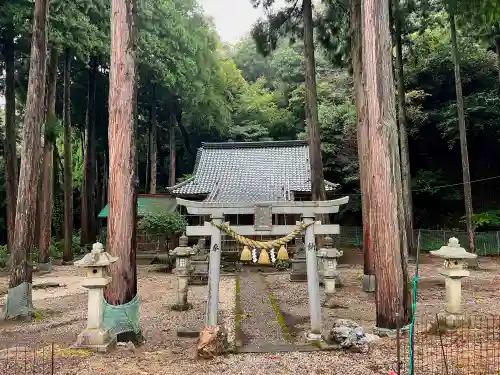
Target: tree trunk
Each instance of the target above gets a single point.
(121, 241)
(382, 167)
(173, 152)
(463, 131)
(311, 109)
(46, 195)
(363, 155)
(68, 172)
(153, 145)
(88, 218)
(403, 134)
(19, 301)
(10, 157)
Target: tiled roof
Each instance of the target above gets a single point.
(249, 171)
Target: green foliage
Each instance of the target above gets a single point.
(4, 256)
(487, 219)
(163, 223)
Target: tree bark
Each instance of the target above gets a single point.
(362, 127)
(68, 166)
(29, 176)
(382, 167)
(10, 157)
(173, 151)
(88, 216)
(46, 195)
(311, 109)
(153, 145)
(403, 134)
(121, 241)
(463, 131)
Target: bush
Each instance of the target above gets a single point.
(163, 224)
(4, 256)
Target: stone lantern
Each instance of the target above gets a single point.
(329, 256)
(95, 336)
(182, 255)
(453, 270)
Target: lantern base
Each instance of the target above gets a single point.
(97, 340)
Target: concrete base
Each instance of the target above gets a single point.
(451, 321)
(315, 337)
(45, 267)
(198, 279)
(97, 340)
(298, 277)
(369, 283)
(187, 332)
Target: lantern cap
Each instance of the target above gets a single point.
(329, 253)
(453, 251)
(183, 250)
(96, 258)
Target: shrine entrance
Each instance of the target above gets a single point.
(262, 324)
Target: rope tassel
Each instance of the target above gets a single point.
(246, 254)
(264, 257)
(282, 253)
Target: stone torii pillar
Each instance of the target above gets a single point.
(312, 280)
(214, 273)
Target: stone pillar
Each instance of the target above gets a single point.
(312, 281)
(214, 273)
(96, 336)
(453, 294)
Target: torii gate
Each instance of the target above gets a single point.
(263, 212)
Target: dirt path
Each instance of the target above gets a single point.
(259, 322)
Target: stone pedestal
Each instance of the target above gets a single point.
(299, 267)
(96, 337)
(199, 265)
(453, 284)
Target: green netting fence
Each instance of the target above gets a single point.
(487, 243)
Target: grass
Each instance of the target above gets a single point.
(287, 335)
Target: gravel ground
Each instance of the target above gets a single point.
(479, 295)
(63, 310)
(63, 317)
(259, 323)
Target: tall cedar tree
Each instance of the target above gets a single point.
(88, 215)
(461, 127)
(68, 173)
(10, 157)
(362, 129)
(403, 133)
(122, 153)
(382, 175)
(316, 162)
(47, 188)
(29, 175)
